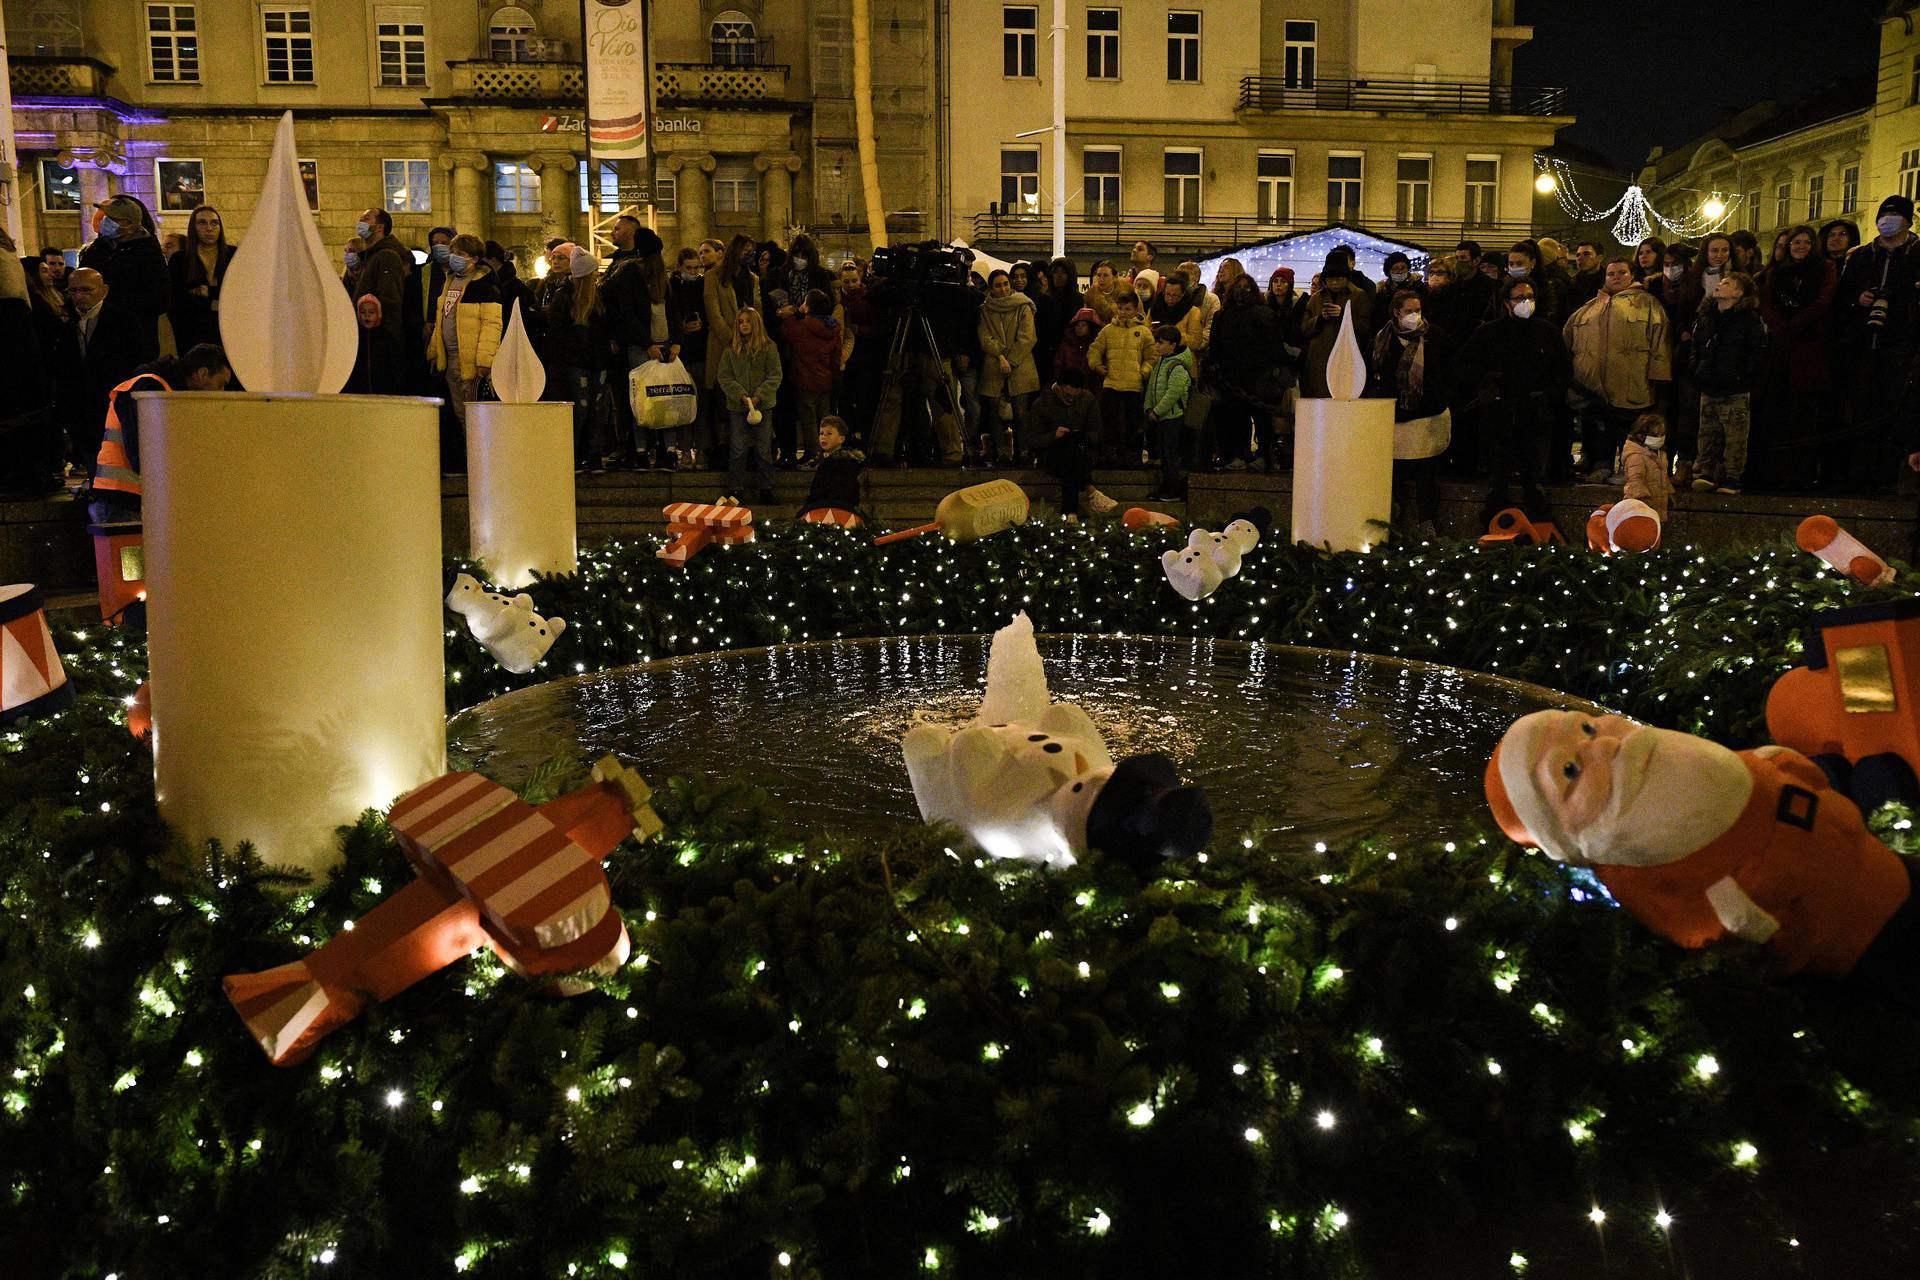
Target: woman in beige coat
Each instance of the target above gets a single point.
(730, 285)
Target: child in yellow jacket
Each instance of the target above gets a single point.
(1122, 352)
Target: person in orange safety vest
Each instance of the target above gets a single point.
(115, 483)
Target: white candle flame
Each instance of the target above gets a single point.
(518, 375)
(1346, 369)
(285, 322)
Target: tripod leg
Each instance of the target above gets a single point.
(952, 442)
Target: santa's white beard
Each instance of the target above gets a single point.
(1672, 794)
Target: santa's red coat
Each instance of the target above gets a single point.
(1800, 851)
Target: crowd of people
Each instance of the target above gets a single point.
(1708, 366)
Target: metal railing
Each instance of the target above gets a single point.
(57, 76)
(1430, 97)
(1214, 233)
(718, 82)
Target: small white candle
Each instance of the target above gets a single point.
(1343, 456)
(520, 496)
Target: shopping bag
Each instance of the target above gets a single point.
(663, 395)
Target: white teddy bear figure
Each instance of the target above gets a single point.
(1030, 778)
(506, 626)
(1209, 559)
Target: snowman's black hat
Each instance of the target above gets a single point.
(1259, 517)
(1145, 814)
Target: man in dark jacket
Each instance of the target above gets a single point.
(384, 269)
(1061, 426)
(98, 352)
(1877, 308)
(1514, 370)
(514, 290)
(1729, 348)
(1590, 260)
(1246, 366)
(628, 293)
(128, 258)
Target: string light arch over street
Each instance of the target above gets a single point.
(1633, 214)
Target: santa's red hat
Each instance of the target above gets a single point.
(1515, 796)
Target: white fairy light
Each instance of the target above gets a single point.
(1633, 214)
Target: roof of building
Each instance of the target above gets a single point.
(1768, 119)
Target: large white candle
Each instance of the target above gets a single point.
(520, 501)
(293, 612)
(1343, 456)
(296, 657)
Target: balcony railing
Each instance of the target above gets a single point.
(1426, 97)
(57, 76)
(489, 81)
(718, 82)
(1028, 234)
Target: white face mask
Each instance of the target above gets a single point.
(1656, 443)
(1891, 225)
(1673, 271)
(1523, 308)
(1516, 272)
(1411, 321)
(1397, 276)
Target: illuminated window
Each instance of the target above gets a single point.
(408, 186)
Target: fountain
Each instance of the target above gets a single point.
(1319, 745)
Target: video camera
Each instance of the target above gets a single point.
(912, 264)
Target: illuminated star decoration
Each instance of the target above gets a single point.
(1633, 214)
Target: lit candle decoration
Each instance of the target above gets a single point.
(1343, 456)
(520, 499)
(297, 662)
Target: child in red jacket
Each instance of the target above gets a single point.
(813, 337)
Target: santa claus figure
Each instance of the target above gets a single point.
(1701, 843)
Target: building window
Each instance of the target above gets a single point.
(1018, 25)
(401, 39)
(408, 185)
(288, 34)
(1302, 44)
(1019, 180)
(1783, 204)
(1816, 195)
(1182, 169)
(832, 55)
(510, 34)
(1910, 172)
(609, 186)
(59, 188)
(1103, 44)
(173, 44)
(1414, 191)
(1483, 190)
(1913, 83)
(736, 187)
(666, 192)
(731, 39)
(1752, 201)
(1183, 45)
(1100, 167)
(49, 28)
(516, 187)
(1850, 188)
(1345, 171)
(1274, 173)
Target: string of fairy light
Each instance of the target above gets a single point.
(1634, 215)
(1444, 590)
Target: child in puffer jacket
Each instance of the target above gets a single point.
(1644, 459)
(1072, 353)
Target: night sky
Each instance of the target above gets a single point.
(1641, 73)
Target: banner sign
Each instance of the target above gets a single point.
(615, 35)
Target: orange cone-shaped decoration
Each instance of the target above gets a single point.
(32, 681)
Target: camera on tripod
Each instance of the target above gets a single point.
(912, 264)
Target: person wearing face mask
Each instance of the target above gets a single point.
(1512, 373)
(1549, 294)
(1729, 349)
(466, 334)
(1877, 302)
(1412, 365)
(1400, 279)
(1796, 300)
(384, 270)
(127, 255)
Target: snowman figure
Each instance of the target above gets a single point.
(1208, 559)
(1030, 778)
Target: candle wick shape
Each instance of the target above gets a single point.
(285, 322)
(518, 375)
(1346, 369)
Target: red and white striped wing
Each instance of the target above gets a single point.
(534, 886)
(707, 515)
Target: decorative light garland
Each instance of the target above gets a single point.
(1633, 213)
